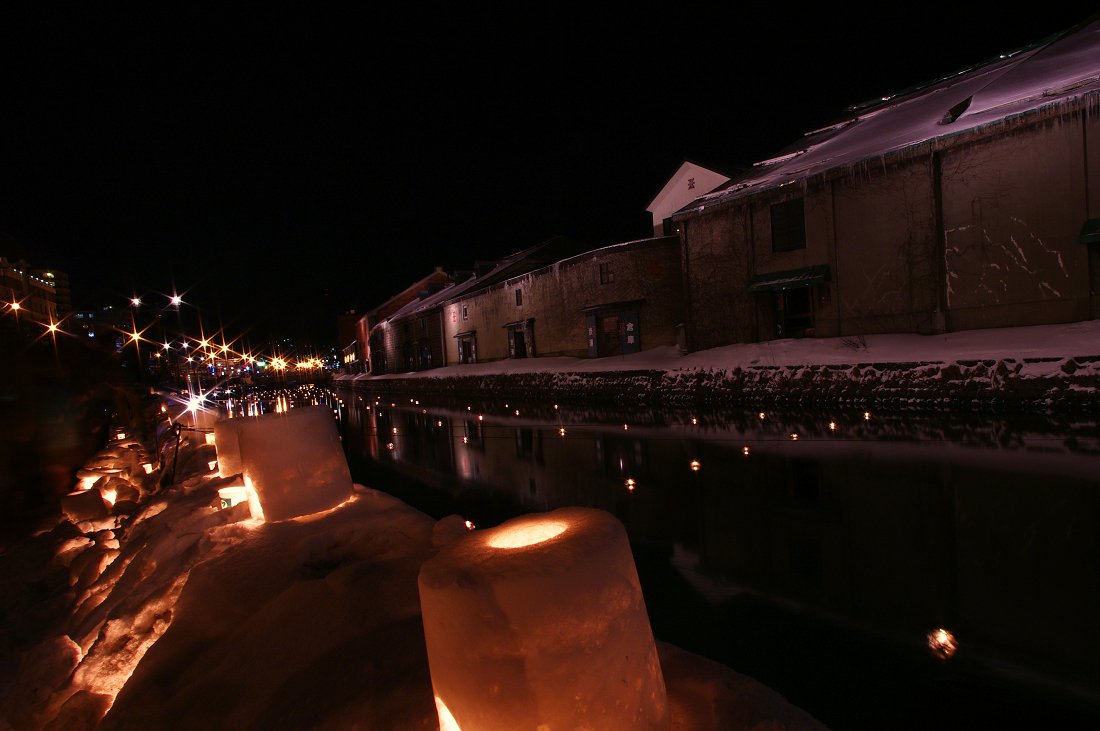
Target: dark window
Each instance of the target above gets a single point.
(606, 275)
(519, 297)
(788, 226)
(465, 312)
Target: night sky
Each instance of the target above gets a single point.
(280, 168)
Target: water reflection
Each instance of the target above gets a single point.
(874, 528)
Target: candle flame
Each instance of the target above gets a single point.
(528, 534)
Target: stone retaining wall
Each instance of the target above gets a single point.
(1027, 384)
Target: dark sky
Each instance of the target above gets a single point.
(279, 168)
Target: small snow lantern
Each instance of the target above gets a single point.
(540, 623)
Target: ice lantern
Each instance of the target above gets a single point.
(293, 463)
(540, 624)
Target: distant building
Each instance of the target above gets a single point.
(688, 182)
(371, 350)
(962, 203)
(27, 295)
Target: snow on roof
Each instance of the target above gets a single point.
(1057, 70)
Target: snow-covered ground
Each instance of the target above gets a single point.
(167, 610)
(1040, 341)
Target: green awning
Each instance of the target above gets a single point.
(1090, 232)
(790, 279)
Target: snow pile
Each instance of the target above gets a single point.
(181, 614)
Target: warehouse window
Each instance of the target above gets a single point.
(788, 226)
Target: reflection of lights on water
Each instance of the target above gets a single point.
(470, 525)
(794, 437)
(527, 535)
(832, 426)
(395, 430)
(745, 451)
(626, 427)
(469, 408)
(694, 421)
(760, 416)
(866, 415)
(942, 643)
(465, 440)
(630, 484)
(390, 446)
(517, 412)
(439, 423)
(480, 417)
(561, 431)
(695, 466)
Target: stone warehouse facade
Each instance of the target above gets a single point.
(615, 300)
(612, 301)
(964, 204)
(968, 202)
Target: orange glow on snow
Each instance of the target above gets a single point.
(528, 535)
(447, 722)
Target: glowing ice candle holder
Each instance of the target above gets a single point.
(293, 462)
(540, 623)
(228, 446)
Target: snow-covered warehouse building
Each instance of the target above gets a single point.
(963, 203)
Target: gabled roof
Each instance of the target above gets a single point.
(689, 180)
(1057, 70)
(513, 265)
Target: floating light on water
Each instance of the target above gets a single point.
(832, 426)
(480, 417)
(395, 430)
(942, 643)
(630, 484)
(760, 416)
(439, 423)
(695, 466)
(465, 440)
(555, 407)
(745, 451)
(390, 446)
(794, 437)
(626, 427)
(561, 431)
(694, 421)
(866, 415)
(517, 412)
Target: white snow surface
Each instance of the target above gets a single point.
(186, 616)
(1039, 341)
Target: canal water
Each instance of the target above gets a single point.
(878, 570)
